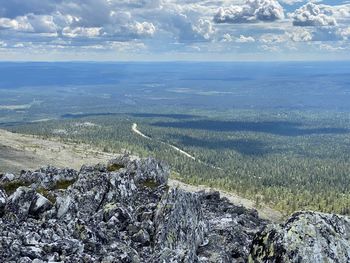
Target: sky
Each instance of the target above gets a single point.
(163, 30)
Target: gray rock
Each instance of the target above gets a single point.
(305, 237)
(141, 237)
(39, 205)
(149, 172)
(3, 201)
(19, 203)
(180, 227)
(8, 177)
(124, 212)
(231, 230)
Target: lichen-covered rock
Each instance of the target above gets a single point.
(125, 212)
(231, 230)
(20, 202)
(305, 237)
(149, 172)
(7, 178)
(180, 227)
(47, 177)
(94, 215)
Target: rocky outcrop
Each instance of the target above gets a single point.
(3, 201)
(125, 212)
(305, 237)
(180, 228)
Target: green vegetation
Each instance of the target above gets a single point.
(150, 184)
(11, 187)
(291, 161)
(114, 167)
(63, 184)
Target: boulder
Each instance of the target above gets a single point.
(305, 237)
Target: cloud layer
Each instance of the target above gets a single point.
(172, 26)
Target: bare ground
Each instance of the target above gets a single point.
(27, 152)
(20, 151)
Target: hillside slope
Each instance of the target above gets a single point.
(25, 152)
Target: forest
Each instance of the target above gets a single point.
(291, 161)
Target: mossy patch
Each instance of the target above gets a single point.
(109, 207)
(114, 167)
(150, 184)
(63, 184)
(11, 187)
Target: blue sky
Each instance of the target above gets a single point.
(231, 30)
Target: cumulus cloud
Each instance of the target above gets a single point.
(19, 24)
(251, 11)
(300, 35)
(164, 25)
(143, 29)
(81, 32)
(42, 23)
(245, 39)
(272, 38)
(313, 15)
(227, 38)
(204, 28)
(88, 19)
(121, 20)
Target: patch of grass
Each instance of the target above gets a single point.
(63, 184)
(150, 184)
(11, 187)
(114, 167)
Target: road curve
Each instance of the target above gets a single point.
(137, 131)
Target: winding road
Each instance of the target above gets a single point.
(26, 152)
(137, 131)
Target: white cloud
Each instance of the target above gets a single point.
(143, 29)
(20, 24)
(300, 35)
(204, 28)
(272, 38)
(42, 23)
(227, 38)
(168, 26)
(245, 39)
(251, 11)
(313, 15)
(81, 32)
(332, 48)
